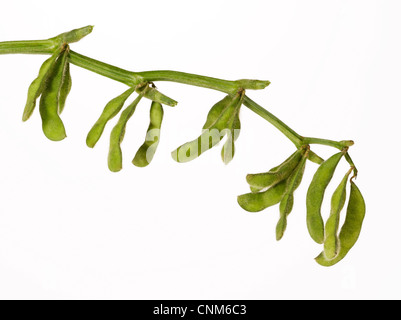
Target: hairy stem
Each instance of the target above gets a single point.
(27, 47)
(286, 130)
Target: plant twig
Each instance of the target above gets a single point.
(132, 79)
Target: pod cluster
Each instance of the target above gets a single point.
(53, 84)
(278, 186)
(222, 120)
(145, 153)
(336, 243)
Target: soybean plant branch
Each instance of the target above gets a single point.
(132, 79)
(53, 84)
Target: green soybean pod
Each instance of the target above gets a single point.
(223, 113)
(193, 149)
(110, 111)
(52, 125)
(351, 228)
(275, 175)
(287, 202)
(266, 180)
(115, 159)
(65, 88)
(314, 198)
(213, 130)
(216, 111)
(286, 206)
(257, 189)
(37, 85)
(331, 243)
(146, 152)
(255, 202)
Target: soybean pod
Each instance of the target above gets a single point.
(146, 152)
(261, 181)
(314, 198)
(255, 202)
(213, 130)
(351, 228)
(37, 85)
(193, 149)
(110, 111)
(331, 243)
(287, 202)
(65, 87)
(228, 150)
(117, 136)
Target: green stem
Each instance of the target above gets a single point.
(336, 144)
(349, 160)
(27, 47)
(291, 134)
(134, 78)
(230, 87)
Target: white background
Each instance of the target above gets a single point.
(70, 229)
